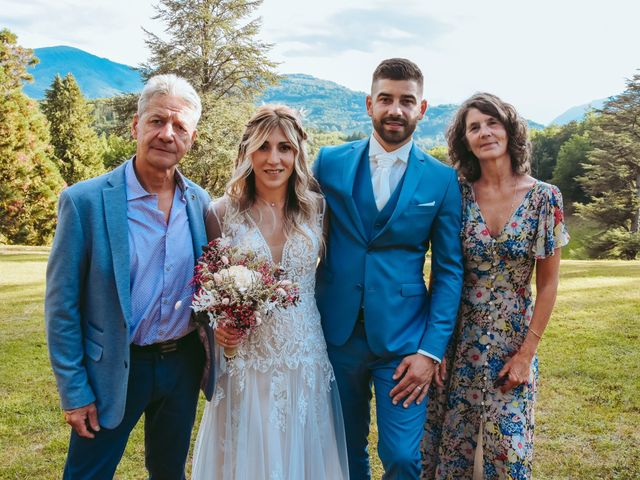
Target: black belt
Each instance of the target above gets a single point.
(165, 347)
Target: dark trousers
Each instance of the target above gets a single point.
(400, 429)
(163, 386)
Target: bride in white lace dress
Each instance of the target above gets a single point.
(276, 410)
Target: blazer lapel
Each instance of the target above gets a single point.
(350, 165)
(412, 176)
(196, 223)
(115, 211)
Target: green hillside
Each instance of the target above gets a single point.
(326, 105)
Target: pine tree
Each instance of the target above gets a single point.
(76, 145)
(612, 179)
(210, 43)
(29, 179)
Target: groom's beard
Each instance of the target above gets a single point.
(395, 137)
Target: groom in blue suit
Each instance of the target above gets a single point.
(118, 296)
(389, 202)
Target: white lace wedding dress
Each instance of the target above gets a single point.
(276, 411)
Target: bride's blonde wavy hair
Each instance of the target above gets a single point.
(302, 201)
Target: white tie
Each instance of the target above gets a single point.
(380, 179)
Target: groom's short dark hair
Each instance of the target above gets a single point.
(398, 69)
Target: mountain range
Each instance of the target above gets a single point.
(325, 105)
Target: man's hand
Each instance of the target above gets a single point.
(83, 417)
(416, 371)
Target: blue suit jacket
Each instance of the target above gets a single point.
(386, 271)
(88, 300)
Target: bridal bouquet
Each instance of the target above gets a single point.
(238, 289)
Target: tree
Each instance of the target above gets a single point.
(210, 43)
(318, 139)
(116, 149)
(546, 145)
(29, 180)
(212, 157)
(572, 157)
(76, 145)
(612, 179)
(440, 152)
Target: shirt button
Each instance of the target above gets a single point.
(482, 403)
(486, 364)
(490, 303)
(165, 301)
(484, 389)
(168, 268)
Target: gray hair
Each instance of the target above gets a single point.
(171, 84)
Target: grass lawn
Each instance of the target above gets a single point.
(588, 411)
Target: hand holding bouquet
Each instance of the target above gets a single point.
(237, 289)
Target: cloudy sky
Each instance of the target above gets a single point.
(544, 56)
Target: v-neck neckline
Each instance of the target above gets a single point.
(511, 216)
(264, 240)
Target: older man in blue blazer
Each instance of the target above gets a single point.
(389, 202)
(118, 296)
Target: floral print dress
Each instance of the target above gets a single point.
(493, 320)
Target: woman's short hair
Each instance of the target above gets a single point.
(519, 146)
(171, 84)
(302, 199)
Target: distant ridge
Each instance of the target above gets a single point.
(97, 77)
(578, 113)
(326, 105)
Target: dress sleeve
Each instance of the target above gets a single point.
(214, 218)
(552, 231)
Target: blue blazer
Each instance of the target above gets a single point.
(88, 300)
(385, 272)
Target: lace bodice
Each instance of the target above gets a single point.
(291, 337)
(276, 412)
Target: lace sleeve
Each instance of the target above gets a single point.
(214, 218)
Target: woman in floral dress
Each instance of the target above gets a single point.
(480, 420)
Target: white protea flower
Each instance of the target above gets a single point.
(242, 277)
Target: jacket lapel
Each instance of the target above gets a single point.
(114, 200)
(196, 223)
(412, 177)
(350, 165)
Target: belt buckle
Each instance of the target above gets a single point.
(168, 347)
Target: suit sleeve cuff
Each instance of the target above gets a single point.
(427, 354)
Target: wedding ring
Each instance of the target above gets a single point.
(419, 387)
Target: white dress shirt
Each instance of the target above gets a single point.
(396, 171)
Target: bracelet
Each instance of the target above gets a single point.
(535, 333)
